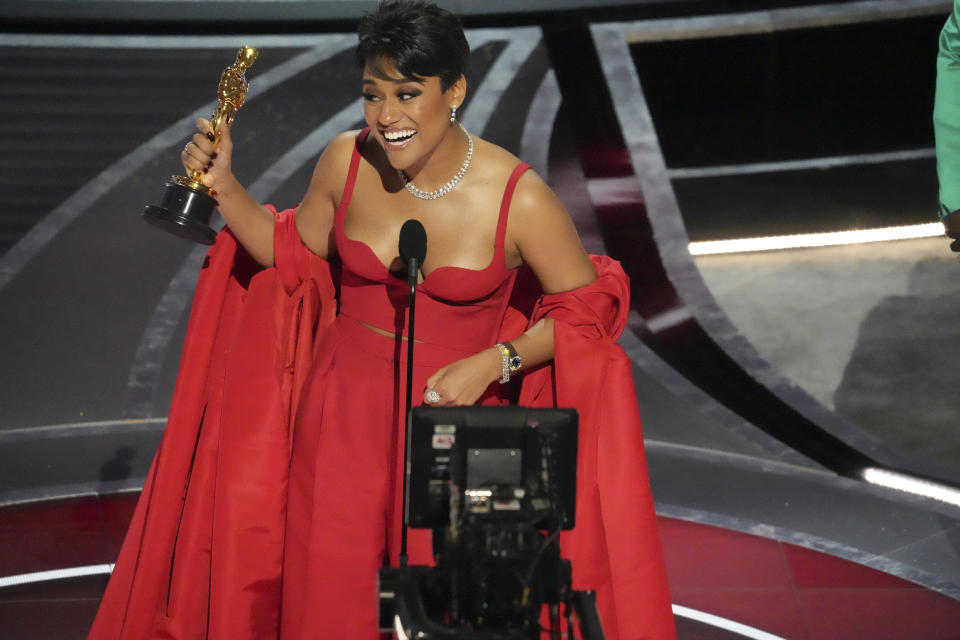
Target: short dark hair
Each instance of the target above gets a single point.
(419, 38)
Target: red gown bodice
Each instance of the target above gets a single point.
(455, 306)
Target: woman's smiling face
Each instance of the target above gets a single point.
(408, 115)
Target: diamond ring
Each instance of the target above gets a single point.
(431, 396)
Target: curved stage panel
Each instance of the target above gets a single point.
(157, 16)
(769, 527)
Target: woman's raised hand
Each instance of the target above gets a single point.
(250, 222)
(208, 157)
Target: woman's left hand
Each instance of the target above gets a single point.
(461, 383)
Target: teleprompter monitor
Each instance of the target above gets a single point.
(504, 464)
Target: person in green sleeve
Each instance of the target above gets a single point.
(946, 126)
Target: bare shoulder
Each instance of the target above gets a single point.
(334, 162)
(343, 143)
(493, 158)
(533, 194)
(535, 205)
(531, 191)
(331, 170)
(315, 214)
(541, 233)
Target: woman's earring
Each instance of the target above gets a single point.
(453, 114)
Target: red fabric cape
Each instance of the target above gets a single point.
(615, 546)
(220, 473)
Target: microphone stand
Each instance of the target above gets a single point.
(412, 268)
(413, 250)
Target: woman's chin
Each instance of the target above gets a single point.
(400, 160)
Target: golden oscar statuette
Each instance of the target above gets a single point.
(187, 203)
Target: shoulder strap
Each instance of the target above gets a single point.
(505, 202)
(351, 174)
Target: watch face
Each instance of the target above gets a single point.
(515, 363)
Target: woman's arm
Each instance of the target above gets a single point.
(252, 223)
(544, 236)
(541, 234)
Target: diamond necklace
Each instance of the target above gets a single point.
(447, 188)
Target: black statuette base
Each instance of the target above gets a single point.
(184, 212)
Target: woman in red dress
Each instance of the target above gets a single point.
(297, 556)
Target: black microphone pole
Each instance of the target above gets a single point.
(413, 250)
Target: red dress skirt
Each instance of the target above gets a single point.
(345, 491)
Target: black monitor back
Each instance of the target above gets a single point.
(527, 458)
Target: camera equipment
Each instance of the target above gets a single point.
(496, 485)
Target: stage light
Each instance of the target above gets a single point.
(55, 574)
(809, 240)
(398, 628)
(910, 484)
(740, 629)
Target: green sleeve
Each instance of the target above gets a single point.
(946, 113)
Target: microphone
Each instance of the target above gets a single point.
(413, 250)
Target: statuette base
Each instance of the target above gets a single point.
(185, 211)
